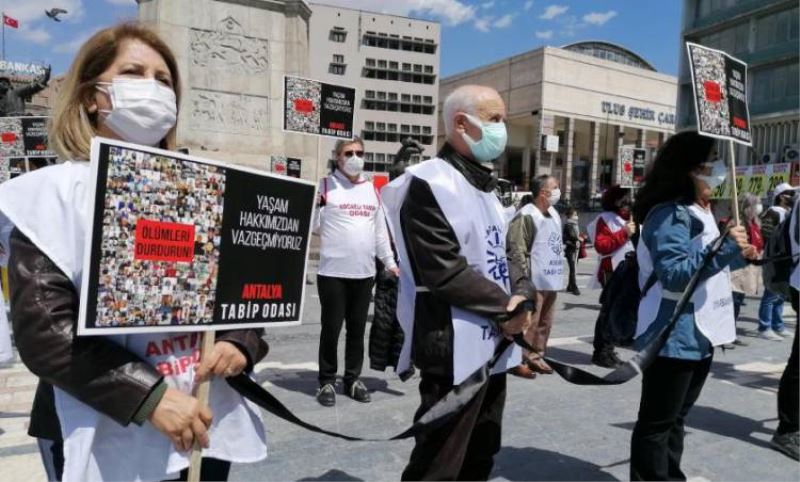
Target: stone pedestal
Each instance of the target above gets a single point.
(232, 56)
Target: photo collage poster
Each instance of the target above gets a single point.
(179, 243)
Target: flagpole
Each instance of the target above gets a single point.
(4, 36)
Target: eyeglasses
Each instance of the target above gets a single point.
(352, 153)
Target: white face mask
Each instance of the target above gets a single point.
(353, 166)
(555, 196)
(718, 175)
(758, 209)
(142, 111)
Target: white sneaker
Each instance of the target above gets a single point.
(785, 333)
(770, 335)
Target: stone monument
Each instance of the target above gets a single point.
(233, 55)
(12, 99)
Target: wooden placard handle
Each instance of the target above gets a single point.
(201, 393)
(734, 189)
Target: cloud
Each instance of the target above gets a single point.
(544, 35)
(504, 21)
(553, 11)
(528, 5)
(121, 2)
(73, 45)
(36, 35)
(451, 12)
(598, 18)
(487, 5)
(483, 24)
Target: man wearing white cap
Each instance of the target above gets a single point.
(770, 311)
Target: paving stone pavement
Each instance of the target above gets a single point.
(552, 430)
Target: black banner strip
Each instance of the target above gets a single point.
(436, 416)
(462, 394)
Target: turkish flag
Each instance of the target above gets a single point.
(11, 22)
(8, 137)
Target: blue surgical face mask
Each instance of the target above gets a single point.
(493, 139)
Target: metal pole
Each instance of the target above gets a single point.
(4, 36)
(734, 189)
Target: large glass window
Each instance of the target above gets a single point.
(774, 84)
(777, 29)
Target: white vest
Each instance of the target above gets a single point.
(712, 300)
(96, 447)
(480, 225)
(547, 251)
(615, 223)
(348, 224)
(781, 211)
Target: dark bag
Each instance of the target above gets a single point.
(778, 251)
(619, 300)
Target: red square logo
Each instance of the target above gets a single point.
(712, 91)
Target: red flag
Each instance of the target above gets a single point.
(11, 22)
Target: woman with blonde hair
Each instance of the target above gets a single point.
(106, 408)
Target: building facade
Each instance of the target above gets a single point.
(765, 35)
(233, 56)
(587, 99)
(393, 63)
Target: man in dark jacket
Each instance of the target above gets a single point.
(452, 229)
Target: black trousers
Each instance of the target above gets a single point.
(789, 387)
(669, 389)
(602, 331)
(572, 261)
(464, 447)
(342, 301)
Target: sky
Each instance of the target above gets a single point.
(474, 32)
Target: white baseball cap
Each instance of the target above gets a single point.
(782, 188)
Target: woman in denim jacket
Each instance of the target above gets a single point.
(676, 235)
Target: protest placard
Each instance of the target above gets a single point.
(632, 163)
(24, 146)
(179, 243)
(719, 82)
(314, 107)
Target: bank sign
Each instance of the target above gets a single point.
(637, 113)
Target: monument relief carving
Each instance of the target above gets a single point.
(228, 48)
(231, 113)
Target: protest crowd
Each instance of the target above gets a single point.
(465, 291)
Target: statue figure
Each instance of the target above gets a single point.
(12, 101)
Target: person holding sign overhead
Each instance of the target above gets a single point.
(677, 232)
(114, 407)
(353, 232)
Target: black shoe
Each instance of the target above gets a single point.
(326, 395)
(357, 391)
(605, 359)
(739, 342)
(617, 359)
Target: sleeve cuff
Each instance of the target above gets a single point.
(150, 403)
